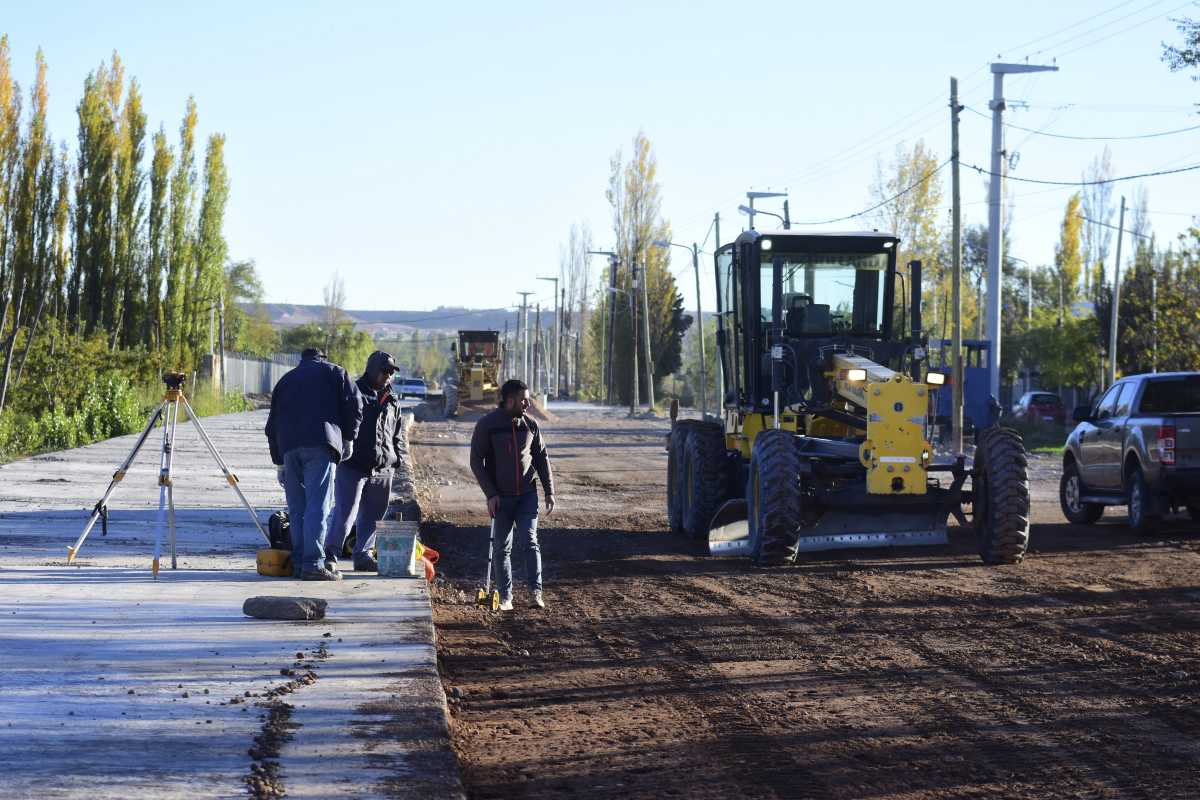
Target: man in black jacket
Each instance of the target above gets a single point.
(508, 458)
(315, 414)
(364, 483)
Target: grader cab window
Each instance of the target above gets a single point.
(828, 294)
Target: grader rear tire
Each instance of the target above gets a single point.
(1000, 483)
(702, 478)
(676, 453)
(773, 501)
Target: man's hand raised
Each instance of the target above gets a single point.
(493, 504)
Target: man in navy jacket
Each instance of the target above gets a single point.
(315, 414)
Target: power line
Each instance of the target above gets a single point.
(983, 171)
(882, 203)
(1114, 227)
(1087, 138)
(1101, 27)
(1072, 26)
(1086, 45)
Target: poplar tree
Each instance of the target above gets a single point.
(1068, 259)
(160, 179)
(94, 194)
(10, 157)
(210, 249)
(179, 241)
(126, 301)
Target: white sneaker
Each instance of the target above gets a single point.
(506, 605)
(537, 601)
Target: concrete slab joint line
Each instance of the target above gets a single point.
(117, 685)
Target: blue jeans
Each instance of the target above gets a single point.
(308, 484)
(360, 501)
(520, 513)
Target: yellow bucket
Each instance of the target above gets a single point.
(275, 563)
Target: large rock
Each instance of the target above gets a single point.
(285, 607)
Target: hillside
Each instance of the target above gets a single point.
(396, 323)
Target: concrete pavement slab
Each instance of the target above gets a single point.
(119, 685)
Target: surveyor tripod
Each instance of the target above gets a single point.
(168, 412)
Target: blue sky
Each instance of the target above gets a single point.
(436, 154)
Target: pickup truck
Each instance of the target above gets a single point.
(1137, 446)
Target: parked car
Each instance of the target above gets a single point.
(411, 387)
(1137, 446)
(1041, 407)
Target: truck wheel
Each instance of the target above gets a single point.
(1000, 482)
(702, 478)
(1070, 489)
(676, 444)
(773, 504)
(1141, 521)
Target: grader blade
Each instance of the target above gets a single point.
(843, 529)
(729, 533)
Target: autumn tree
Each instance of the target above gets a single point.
(209, 251)
(157, 240)
(910, 192)
(634, 198)
(1068, 258)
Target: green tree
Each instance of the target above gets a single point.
(1187, 54)
(207, 281)
(94, 192)
(157, 243)
(126, 305)
(179, 237)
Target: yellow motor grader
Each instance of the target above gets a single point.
(477, 356)
(824, 442)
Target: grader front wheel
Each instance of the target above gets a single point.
(676, 454)
(1000, 488)
(701, 478)
(773, 501)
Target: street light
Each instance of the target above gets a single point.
(750, 212)
(752, 196)
(695, 251)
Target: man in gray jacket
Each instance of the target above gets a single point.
(364, 483)
(508, 458)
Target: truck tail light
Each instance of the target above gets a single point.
(1166, 444)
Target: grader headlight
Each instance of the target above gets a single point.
(856, 375)
(935, 379)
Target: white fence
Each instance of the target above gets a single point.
(254, 374)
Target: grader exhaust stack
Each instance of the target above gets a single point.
(825, 439)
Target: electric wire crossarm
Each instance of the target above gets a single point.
(168, 413)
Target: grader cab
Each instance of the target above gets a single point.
(825, 438)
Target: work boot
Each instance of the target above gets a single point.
(364, 563)
(537, 601)
(506, 604)
(331, 564)
(320, 574)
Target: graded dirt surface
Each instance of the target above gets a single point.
(657, 671)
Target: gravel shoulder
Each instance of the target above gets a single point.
(657, 671)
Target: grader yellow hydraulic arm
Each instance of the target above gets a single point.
(824, 441)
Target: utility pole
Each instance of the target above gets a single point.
(1116, 301)
(646, 334)
(612, 325)
(221, 336)
(538, 361)
(504, 349)
(700, 327)
(523, 336)
(553, 381)
(559, 384)
(787, 216)
(720, 364)
(995, 255)
(633, 290)
(956, 385)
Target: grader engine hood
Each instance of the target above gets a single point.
(895, 452)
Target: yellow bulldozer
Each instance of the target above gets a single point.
(824, 442)
(478, 359)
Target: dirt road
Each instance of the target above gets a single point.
(918, 673)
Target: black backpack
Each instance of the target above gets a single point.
(279, 530)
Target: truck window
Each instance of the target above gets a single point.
(1178, 395)
(1125, 400)
(1104, 408)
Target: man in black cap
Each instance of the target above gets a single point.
(364, 482)
(314, 420)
